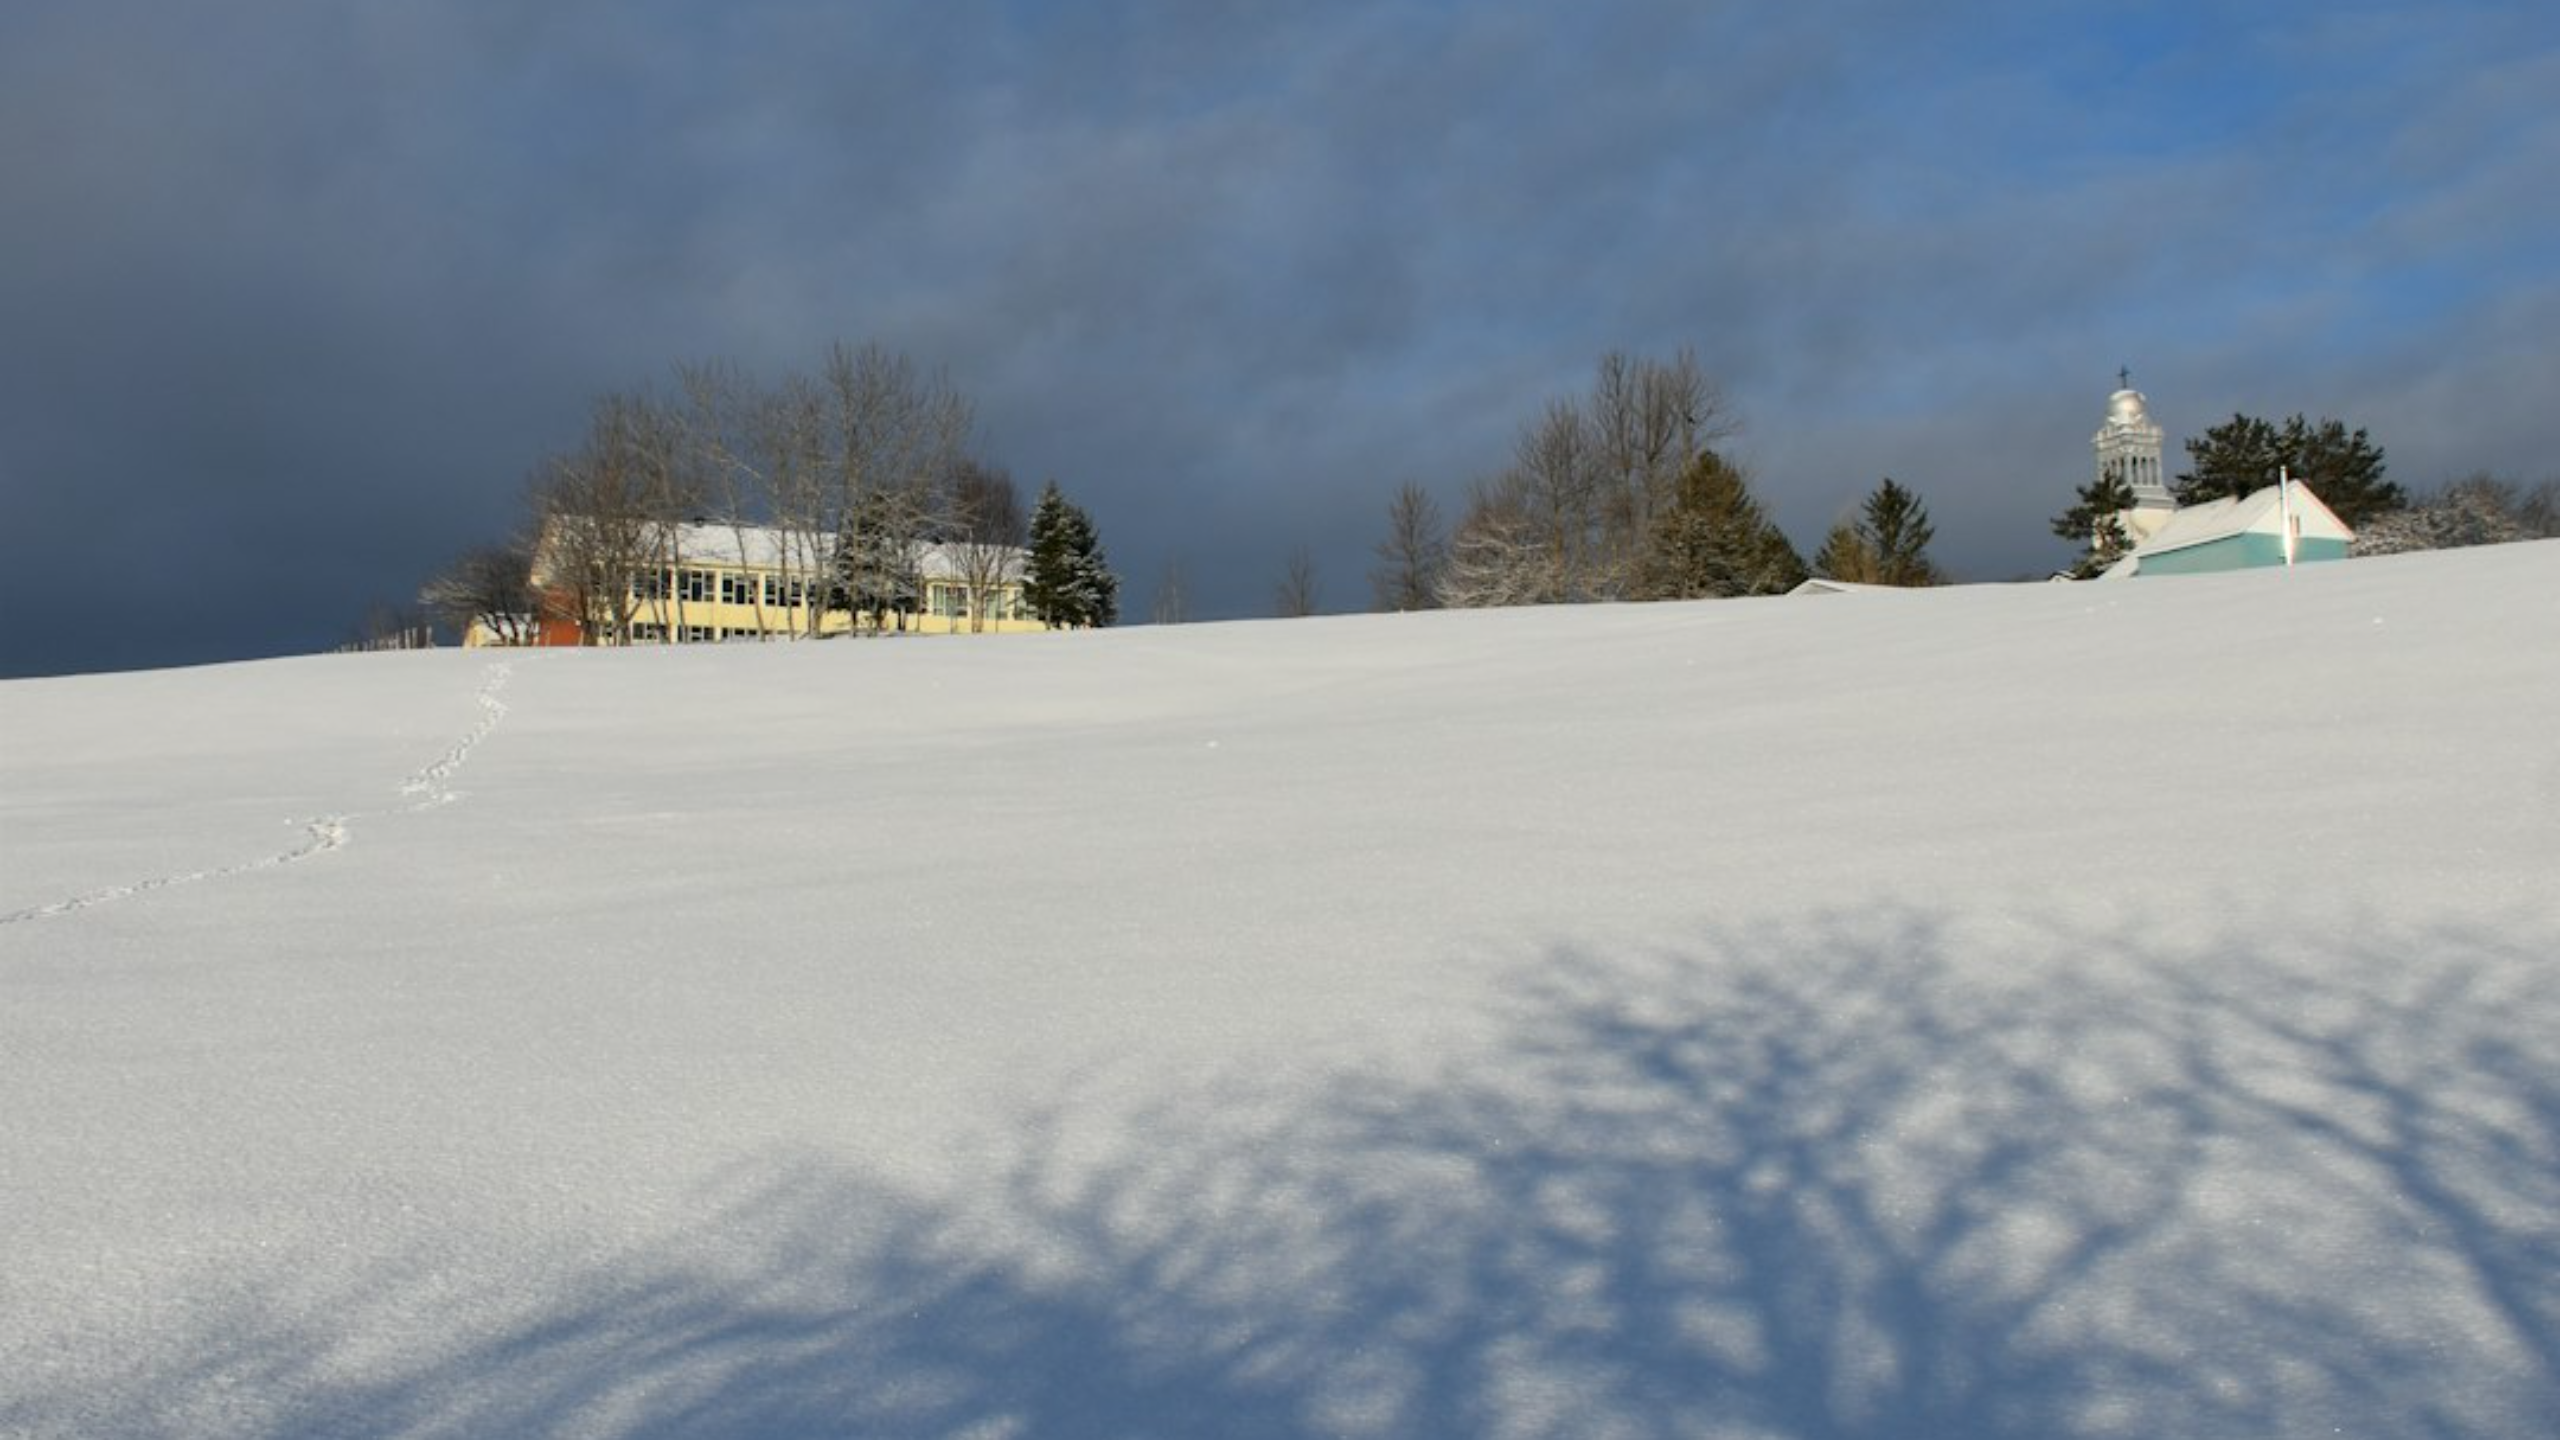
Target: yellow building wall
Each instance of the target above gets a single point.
(655, 618)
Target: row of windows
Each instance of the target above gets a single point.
(952, 603)
(647, 634)
(733, 587)
(738, 588)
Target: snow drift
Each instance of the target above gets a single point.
(2020, 1011)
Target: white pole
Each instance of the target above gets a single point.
(2284, 510)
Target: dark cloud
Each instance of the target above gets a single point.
(293, 299)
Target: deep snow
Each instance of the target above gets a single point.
(2034, 1011)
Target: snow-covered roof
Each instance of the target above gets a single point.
(768, 547)
(2261, 511)
(1824, 585)
(754, 547)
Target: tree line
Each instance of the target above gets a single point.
(834, 481)
(1623, 494)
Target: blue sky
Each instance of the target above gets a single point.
(295, 296)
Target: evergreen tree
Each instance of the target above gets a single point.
(2237, 457)
(1898, 525)
(1097, 589)
(2246, 454)
(1068, 582)
(1048, 577)
(1888, 544)
(2098, 522)
(1847, 556)
(2344, 470)
(1715, 540)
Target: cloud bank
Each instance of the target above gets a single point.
(294, 299)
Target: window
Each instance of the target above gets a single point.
(737, 589)
(700, 634)
(649, 585)
(693, 585)
(648, 632)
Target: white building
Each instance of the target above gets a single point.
(2276, 525)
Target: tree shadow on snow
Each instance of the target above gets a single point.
(1821, 1182)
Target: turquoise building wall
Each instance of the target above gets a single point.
(2241, 552)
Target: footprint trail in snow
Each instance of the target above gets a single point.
(425, 789)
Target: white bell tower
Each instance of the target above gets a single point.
(2128, 447)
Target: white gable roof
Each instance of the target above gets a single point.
(770, 548)
(2259, 512)
(753, 547)
(764, 547)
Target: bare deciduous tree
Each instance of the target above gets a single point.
(1497, 555)
(1172, 604)
(2538, 509)
(1649, 421)
(791, 469)
(1560, 487)
(986, 534)
(652, 437)
(895, 435)
(598, 528)
(1295, 597)
(1577, 515)
(1413, 554)
(2478, 509)
(787, 430)
(488, 586)
(720, 429)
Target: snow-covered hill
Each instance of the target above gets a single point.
(2040, 1011)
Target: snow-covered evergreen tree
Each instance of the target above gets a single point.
(1047, 575)
(1097, 590)
(1068, 582)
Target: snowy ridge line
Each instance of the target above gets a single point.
(320, 835)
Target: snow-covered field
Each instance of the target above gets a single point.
(2034, 1011)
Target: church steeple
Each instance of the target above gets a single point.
(2128, 446)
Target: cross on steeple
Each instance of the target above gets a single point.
(2124, 377)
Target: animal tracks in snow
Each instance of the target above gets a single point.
(425, 789)
(427, 786)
